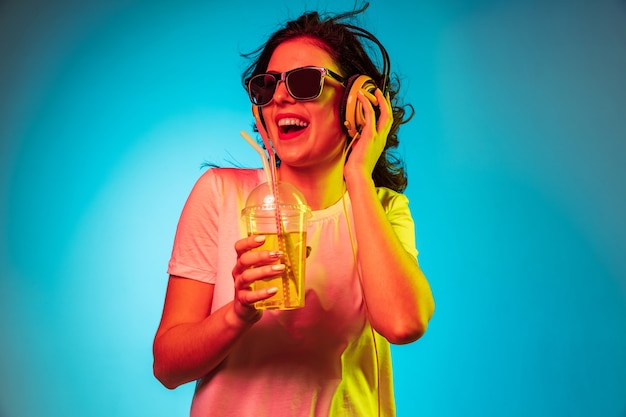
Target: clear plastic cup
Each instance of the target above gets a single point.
(280, 215)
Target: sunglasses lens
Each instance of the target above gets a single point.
(261, 89)
(305, 83)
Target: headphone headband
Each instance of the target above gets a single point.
(386, 71)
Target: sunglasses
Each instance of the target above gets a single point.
(302, 84)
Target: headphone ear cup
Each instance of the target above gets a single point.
(260, 121)
(257, 115)
(351, 109)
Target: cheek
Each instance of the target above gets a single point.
(332, 106)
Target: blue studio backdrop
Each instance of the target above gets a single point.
(516, 182)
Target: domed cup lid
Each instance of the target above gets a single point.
(287, 197)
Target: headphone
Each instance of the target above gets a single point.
(351, 110)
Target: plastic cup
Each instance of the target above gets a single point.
(283, 221)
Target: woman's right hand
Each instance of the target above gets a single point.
(253, 265)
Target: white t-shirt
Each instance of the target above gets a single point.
(321, 360)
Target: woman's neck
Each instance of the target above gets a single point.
(321, 187)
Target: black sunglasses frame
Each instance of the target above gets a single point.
(284, 77)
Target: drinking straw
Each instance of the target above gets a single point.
(266, 167)
(272, 181)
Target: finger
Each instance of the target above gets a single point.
(251, 297)
(368, 107)
(384, 121)
(246, 256)
(253, 265)
(386, 111)
(245, 296)
(382, 98)
(248, 243)
(258, 258)
(251, 275)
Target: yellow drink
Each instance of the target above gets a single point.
(290, 283)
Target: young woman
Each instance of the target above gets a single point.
(364, 287)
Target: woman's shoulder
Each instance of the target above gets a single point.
(225, 182)
(235, 177)
(389, 197)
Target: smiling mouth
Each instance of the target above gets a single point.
(291, 124)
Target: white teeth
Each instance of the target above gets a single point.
(292, 121)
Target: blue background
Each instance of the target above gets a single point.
(516, 164)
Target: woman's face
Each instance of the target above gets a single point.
(305, 133)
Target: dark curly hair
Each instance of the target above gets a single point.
(343, 43)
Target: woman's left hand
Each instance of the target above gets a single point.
(369, 146)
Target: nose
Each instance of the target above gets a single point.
(281, 94)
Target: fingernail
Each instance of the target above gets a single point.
(259, 238)
(272, 290)
(276, 254)
(278, 267)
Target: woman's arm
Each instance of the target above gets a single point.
(191, 341)
(398, 296)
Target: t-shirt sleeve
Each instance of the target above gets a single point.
(399, 215)
(194, 254)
